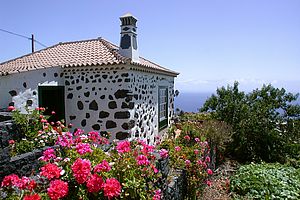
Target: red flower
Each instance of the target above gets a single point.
(11, 108)
(94, 183)
(208, 183)
(81, 170)
(102, 167)
(207, 159)
(32, 197)
(50, 171)
(123, 147)
(10, 180)
(187, 137)
(112, 188)
(209, 171)
(11, 141)
(57, 189)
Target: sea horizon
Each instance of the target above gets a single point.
(192, 101)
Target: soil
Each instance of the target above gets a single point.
(220, 182)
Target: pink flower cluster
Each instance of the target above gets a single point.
(94, 183)
(157, 195)
(102, 167)
(93, 136)
(123, 147)
(65, 140)
(111, 188)
(164, 153)
(177, 148)
(50, 171)
(32, 197)
(57, 189)
(81, 169)
(83, 148)
(23, 183)
(142, 160)
(48, 155)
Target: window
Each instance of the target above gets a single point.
(163, 107)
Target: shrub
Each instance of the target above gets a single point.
(189, 150)
(35, 130)
(266, 181)
(265, 123)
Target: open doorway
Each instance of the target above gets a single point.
(53, 99)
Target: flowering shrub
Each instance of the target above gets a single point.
(35, 130)
(189, 150)
(81, 170)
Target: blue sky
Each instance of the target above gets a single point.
(210, 42)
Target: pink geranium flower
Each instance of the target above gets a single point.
(94, 183)
(102, 167)
(177, 148)
(123, 147)
(207, 159)
(48, 155)
(83, 148)
(163, 153)
(58, 189)
(93, 135)
(11, 108)
(157, 195)
(50, 171)
(81, 170)
(10, 180)
(142, 160)
(187, 163)
(112, 188)
(32, 197)
(187, 137)
(209, 172)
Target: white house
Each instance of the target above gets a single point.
(94, 85)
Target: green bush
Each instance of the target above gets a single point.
(265, 122)
(266, 181)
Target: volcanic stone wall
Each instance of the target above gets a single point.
(118, 100)
(144, 87)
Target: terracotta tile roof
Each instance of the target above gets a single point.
(76, 54)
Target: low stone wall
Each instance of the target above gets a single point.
(174, 182)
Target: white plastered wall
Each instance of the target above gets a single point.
(20, 87)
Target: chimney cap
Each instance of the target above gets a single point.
(128, 15)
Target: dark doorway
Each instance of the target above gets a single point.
(53, 99)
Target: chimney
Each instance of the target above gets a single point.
(128, 42)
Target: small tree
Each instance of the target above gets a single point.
(265, 123)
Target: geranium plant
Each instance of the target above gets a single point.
(189, 151)
(80, 169)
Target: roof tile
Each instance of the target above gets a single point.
(72, 54)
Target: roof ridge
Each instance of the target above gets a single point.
(115, 51)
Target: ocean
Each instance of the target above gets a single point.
(191, 102)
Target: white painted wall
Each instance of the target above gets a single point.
(26, 86)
